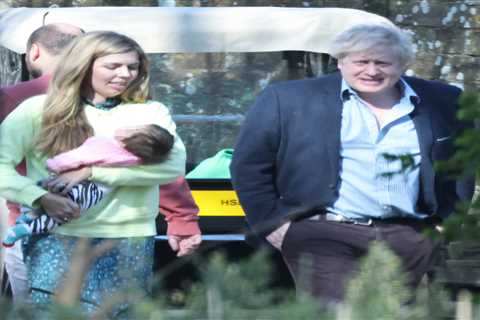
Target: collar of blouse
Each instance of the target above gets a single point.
(108, 104)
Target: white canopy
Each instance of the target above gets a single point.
(188, 29)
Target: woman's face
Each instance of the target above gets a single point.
(111, 75)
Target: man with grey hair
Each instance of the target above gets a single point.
(324, 178)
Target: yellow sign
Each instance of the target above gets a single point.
(218, 203)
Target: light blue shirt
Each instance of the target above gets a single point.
(371, 185)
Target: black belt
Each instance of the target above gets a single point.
(332, 217)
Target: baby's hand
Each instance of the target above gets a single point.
(64, 182)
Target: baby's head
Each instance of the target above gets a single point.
(151, 143)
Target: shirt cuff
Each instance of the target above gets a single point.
(183, 228)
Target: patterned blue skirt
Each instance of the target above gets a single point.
(120, 273)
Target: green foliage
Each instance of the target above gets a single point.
(467, 157)
(379, 291)
(464, 224)
(227, 290)
(407, 163)
(5, 306)
(432, 303)
(61, 312)
(241, 291)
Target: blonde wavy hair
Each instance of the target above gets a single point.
(64, 123)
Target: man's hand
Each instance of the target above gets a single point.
(276, 237)
(64, 182)
(184, 245)
(59, 208)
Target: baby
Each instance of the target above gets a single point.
(146, 144)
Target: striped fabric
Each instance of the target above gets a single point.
(32, 222)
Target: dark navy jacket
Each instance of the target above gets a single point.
(287, 155)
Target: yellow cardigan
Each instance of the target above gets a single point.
(130, 209)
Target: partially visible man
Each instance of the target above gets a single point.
(317, 164)
(43, 49)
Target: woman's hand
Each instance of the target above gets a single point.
(59, 208)
(64, 182)
(184, 245)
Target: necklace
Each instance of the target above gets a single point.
(108, 104)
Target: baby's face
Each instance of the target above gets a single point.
(124, 132)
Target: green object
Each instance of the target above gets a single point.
(216, 167)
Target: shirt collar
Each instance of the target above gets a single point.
(408, 92)
(108, 104)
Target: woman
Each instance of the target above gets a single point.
(100, 85)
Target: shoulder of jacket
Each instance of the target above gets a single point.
(421, 84)
(319, 83)
(28, 88)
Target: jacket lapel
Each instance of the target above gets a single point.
(332, 120)
(422, 121)
(423, 126)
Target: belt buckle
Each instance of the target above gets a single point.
(334, 217)
(339, 218)
(369, 222)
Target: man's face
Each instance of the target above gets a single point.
(375, 71)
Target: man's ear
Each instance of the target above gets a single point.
(34, 52)
(340, 64)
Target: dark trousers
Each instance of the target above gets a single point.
(323, 255)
